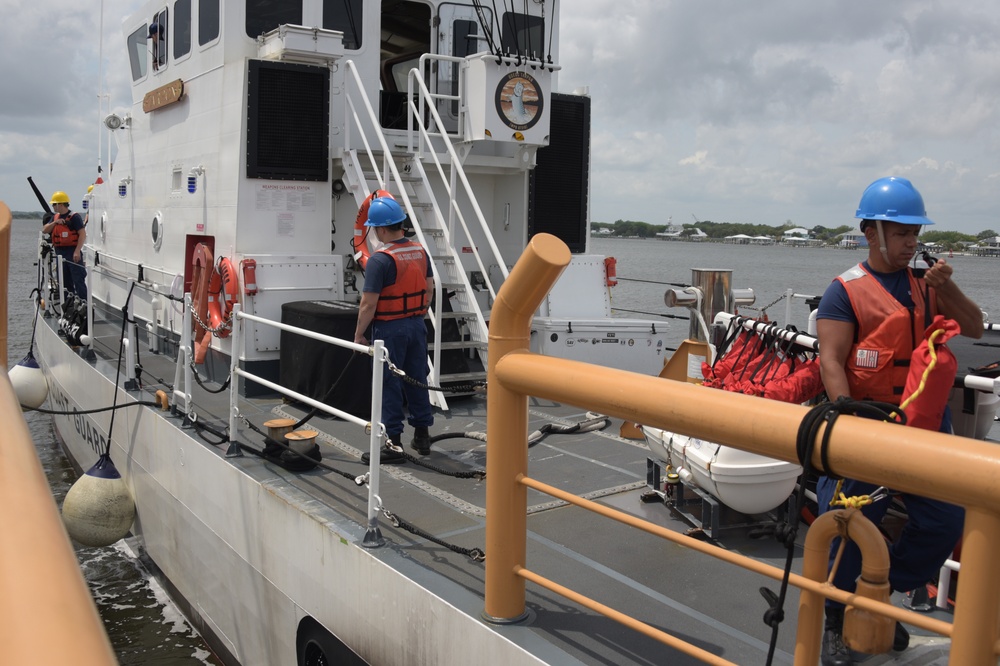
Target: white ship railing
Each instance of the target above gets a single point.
(374, 428)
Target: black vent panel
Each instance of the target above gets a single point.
(288, 121)
(558, 186)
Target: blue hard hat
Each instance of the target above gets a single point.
(384, 212)
(892, 199)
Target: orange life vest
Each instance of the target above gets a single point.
(407, 297)
(887, 333)
(62, 235)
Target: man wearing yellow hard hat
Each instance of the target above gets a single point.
(69, 233)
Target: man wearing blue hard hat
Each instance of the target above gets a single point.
(394, 300)
(869, 322)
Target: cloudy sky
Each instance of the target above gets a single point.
(757, 112)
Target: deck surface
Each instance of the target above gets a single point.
(700, 599)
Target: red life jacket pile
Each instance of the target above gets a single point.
(763, 364)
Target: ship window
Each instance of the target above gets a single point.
(266, 15)
(158, 39)
(344, 15)
(523, 34)
(466, 38)
(208, 21)
(137, 52)
(182, 28)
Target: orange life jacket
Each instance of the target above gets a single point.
(887, 333)
(407, 297)
(62, 235)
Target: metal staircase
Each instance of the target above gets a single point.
(458, 334)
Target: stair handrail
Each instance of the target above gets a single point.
(389, 167)
(416, 112)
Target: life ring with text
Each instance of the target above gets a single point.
(201, 273)
(362, 251)
(223, 293)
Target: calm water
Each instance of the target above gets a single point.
(145, 628)
(769, 270)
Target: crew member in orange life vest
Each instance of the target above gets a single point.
(69, 233)
(398, 283)
(868, 323)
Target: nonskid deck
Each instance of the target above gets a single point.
(697, 598)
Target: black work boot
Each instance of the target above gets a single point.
(388, 456)
(834, 652)
(421, 441)
(901, 639)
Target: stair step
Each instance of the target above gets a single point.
(458, 315)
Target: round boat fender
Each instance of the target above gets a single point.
(362, 251)
(98, 509)
(201, 273)
(223, 293)
(29, 382)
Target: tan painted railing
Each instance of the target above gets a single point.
(967, 474)
(46, 612)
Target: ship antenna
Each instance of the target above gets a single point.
(100, 89)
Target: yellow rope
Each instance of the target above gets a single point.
(930, 366)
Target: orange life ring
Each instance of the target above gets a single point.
(201, 273)
(362, 251)
(223, 293)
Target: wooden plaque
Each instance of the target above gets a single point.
(163, 96)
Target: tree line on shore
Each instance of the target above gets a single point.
(952, 240)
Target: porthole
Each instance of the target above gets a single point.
(157, 231)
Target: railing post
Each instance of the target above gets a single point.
(131, 350)
(543, 260)
(977, 608)
(373, 536)
(90, 311)
(234, 384)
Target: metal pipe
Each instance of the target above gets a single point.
(543, 260)
(857, 447)
(815, 562)
(977, 612)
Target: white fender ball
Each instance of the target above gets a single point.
(98, 509)
(29, 383)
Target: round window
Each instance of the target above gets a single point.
(157, 231)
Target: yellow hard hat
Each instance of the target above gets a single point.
(90, 188)
(59, 198)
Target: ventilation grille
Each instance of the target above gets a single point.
(288, 121)
(558, 186)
